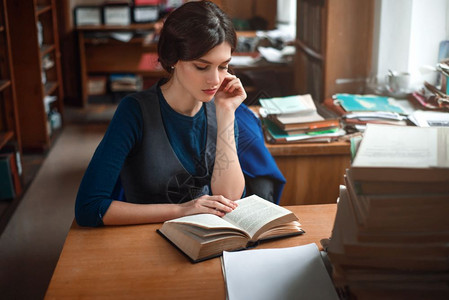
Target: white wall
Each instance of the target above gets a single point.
(409, 33)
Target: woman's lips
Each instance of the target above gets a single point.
(210, 91)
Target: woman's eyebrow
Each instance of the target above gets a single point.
(208, 62)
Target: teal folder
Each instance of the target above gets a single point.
(352, 103)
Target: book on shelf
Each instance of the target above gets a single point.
(10, 184)
(205, 236)
(125, 82)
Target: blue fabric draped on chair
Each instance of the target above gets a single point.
(262, 175)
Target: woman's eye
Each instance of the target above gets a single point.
(223, 67)
(200, 68)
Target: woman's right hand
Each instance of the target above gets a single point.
(217, 205)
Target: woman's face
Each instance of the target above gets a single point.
(201, 78)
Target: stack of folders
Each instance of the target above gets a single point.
(391, 233)
(359, 110)
(295, 119)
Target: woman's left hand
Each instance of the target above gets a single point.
(230, 94)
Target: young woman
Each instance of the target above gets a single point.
(172, 147)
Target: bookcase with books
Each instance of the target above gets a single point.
(10, 142)
(333, 45)
(37, 71)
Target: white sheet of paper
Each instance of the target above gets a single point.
(286, 273)
(429, 118)
(398, 146)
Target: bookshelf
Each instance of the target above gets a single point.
(10, 141)
(37, 71)
(334, 42)
(102, 55)
(9, 125)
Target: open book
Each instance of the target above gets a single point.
(205, 236)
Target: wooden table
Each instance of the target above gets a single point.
(134, 262)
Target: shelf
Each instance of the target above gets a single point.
(145, 26)
(45, 49)
(5, 137)
(42, 9)
(50, 87)
(109, 40)
(4, 84)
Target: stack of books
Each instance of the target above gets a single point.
(391, 232)
(359, 110)
(125, 82)
(295, 119)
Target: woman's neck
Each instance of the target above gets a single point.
(178, 99)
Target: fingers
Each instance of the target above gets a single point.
(217, 205)
(233, 84)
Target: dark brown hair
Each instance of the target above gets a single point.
(192, 30)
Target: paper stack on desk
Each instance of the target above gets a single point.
(296, 119)
(358, 110)
(391, 232)
(293, 273)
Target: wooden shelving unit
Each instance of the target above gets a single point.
(334, 41)
(102, 56)
(10, 138)
(9, 125)
(37, 69)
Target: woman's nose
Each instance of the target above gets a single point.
(213, 78)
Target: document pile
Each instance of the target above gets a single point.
(435, 97)
(295, 119)
(359, 110)
(391, 232)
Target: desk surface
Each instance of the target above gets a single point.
(135, 262)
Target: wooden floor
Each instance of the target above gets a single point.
(33, 238)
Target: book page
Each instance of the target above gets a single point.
(443, 147)
(205, 221)
(295, 118)
(288, 104)
(397, 146)
(286, 273)
(253, 213)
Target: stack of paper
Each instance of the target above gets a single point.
(288, 273)
(296, 119)
(391, 232)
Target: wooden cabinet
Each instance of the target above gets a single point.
(334, 45)
(313, 171)
(9, 125)
(37, 70)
